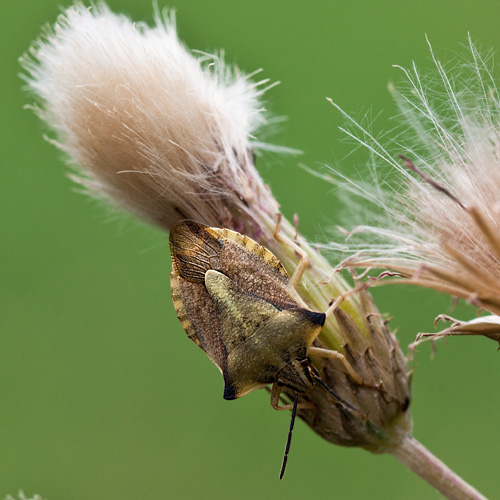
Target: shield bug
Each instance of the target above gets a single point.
(235, 300)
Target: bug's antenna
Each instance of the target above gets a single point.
(289, 440)
(333, 393)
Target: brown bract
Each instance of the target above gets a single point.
(382, 399)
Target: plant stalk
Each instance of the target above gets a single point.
(420, 460)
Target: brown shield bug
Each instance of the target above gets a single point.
(235, 300)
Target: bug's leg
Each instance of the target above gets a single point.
(329, 353)
(275, 400)
(336, 303)
(304, 258)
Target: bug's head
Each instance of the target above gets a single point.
(296, 375)
(295, 330)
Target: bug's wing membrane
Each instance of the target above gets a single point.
(198, 317)
(254, 268)
(194, 250)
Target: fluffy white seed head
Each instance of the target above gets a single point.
(148, 126)
(439, 224)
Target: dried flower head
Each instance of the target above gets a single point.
(148, 126)
(439, 227)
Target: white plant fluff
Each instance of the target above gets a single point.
(439, 227)
(143, 120)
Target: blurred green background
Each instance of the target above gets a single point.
(102, 395)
